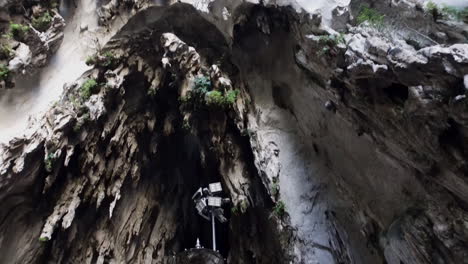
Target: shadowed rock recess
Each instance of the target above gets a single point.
(337, 142)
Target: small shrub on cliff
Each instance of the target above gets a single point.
(231, 97)
(329, 42)
(279, 209)
(332, 40)
(106, 59)
(81, 121)
(446, 11)
(240, 208)
(109, 59)
(374, 17)
(455, 13)
(214, 98)
(218, 99)
(196, 97)
(6, 52)
(275, 187)
(49, 162)
(51, 3)
(18, 31)
(203, 95)
(4, 72)
(91, 60)
(43, 22)
(203, 84)
(88, 88)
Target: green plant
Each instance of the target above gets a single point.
(196, 97)
(91, 60)
(203, 84)
(329, 42)
(275, 187)
(81, 121)
(279, 209)
(109, 59)
(88, 88)
(6, 51)
(231, 97)
(218, 99)
(243, 206)
(43, 239)
(446, 11)
(431, 6)
(152, 91)
(372, 16)
(235, 210)
(106, 59)
(186, 124)
(43, 22)
(4, 72)
(52, 4)
(49, 161)
(240, 208)
(202, 94)
(18, 31)
(214, 98)
(454, 12)
(332, 40)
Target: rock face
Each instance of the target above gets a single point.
(33, 33)
(334, 147)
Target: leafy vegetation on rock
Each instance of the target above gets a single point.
(106, 59)
(81, 121)
(203, 95)
(446, 11)
(88, 88)
(279, 209)
(49, 162)
(18, 31)
(330, 41)
(240, 208)
(43, 22)
(370, 15)
(4, 72)
(275, 187)
(6, 52)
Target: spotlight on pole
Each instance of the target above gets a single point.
(209, 206)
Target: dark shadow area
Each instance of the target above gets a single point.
(397, 93)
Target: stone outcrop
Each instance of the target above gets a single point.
(26, 49)
(334, 147)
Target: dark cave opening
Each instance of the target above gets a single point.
(185, 170)
(397, 93)
(452, 136)
(182, 169)
(282, 96)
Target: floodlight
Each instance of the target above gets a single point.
(198, 194)
(201, 205)
(214, 201)
(209, 205)
(215, 187)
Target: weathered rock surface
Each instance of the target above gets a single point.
(360, 137)
(32, 48)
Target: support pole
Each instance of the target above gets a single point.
(213, 230)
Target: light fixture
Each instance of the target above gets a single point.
(215, 187)
(214, 201)
(209, 205)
